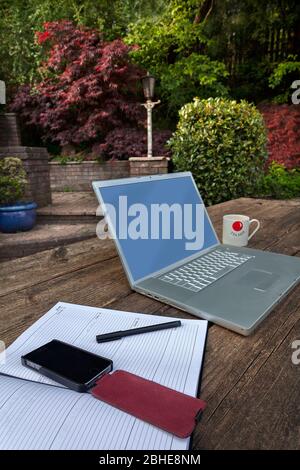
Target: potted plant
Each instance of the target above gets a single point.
(15, 214)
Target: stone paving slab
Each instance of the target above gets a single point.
(71, 204)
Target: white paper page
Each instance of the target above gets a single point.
(43, 417)
(171, 357)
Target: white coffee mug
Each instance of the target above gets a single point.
(236, 229)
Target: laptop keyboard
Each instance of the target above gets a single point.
(205, 270)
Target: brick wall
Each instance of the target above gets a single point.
(9, 130)
(79, 176)
(140, 166)
(35, 161)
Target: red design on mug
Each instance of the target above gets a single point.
(237, 226)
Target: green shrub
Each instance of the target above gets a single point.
(223, 143)
(64, 159)
(12, 180)
(280, 182)
(193, 75)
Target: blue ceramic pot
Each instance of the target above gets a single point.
(18, 217)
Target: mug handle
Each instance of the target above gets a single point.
(255, 230)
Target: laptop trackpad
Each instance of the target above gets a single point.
(258, 279)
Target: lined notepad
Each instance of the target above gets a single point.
(44, 415)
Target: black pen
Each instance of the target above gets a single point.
(136, 331)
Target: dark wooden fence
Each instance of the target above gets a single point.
(277, 46)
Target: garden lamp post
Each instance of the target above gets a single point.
(2, 93)
(148, 87)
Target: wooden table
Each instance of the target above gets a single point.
(250, 383)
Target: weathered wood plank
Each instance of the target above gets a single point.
(249, 383)
(23, 272)
(31, 270)
(274, 219)
(233, 364)
(45, 278)
(96, 284)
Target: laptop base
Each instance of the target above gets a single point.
(241, 299)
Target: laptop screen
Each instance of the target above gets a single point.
(157, 222)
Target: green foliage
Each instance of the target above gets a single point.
(171, 47)
(251, 36)
(64, 159)
(19, 20)
(67, 189)
(12, 180)
(282, 77)
(223, 143)
(195, 75)
(283, 69)
(189, 36)
(250, 80)
(18, 52)
(177, 40)
(166, 37)
(280, 183)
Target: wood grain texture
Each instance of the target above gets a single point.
(250, 383)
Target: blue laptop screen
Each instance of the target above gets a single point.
(157, 223)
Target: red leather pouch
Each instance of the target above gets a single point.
(149, 401)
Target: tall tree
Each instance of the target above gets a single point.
(89, 86)
(19, 19)
(173, 47)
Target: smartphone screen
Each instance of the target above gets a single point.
(69, 362)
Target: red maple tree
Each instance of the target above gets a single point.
(283, 123)
(127, 142)
(90, 86)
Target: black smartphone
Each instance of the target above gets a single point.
(73, 367)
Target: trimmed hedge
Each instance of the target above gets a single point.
(223, 143)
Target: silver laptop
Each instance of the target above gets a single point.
(170, 251)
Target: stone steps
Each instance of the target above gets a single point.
(76, 207)
(71, 218)
(43, 237)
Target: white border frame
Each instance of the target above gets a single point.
(97, 185)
